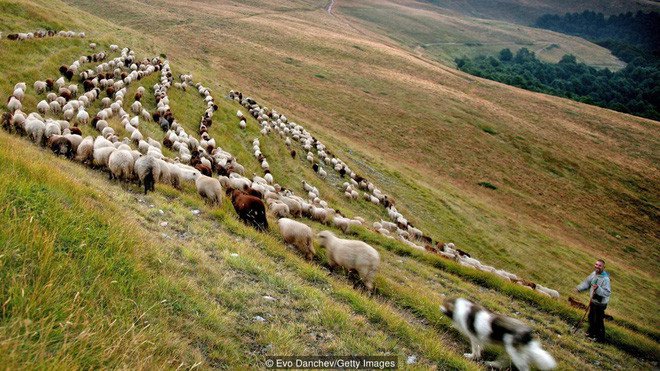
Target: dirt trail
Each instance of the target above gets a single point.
(329, 8)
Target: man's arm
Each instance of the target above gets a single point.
(585, 284)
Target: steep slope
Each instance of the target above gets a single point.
(574, 181)
(216, 297)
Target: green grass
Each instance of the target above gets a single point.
(92, 280)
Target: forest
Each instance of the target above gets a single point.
(633, 38)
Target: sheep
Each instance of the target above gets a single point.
(341, 223)
(14, 104)
(298, 235)
(101, 155)
(317, 213)
(82, 117)
(352, 255)
(209, 188)
(85, 150)
(121, 163)
(60, 145)
(170, 174)
(35, 130)
(39, 87)
(250, 209)
(52, 128)
(148, 170)
(55, 107)
(295, 207)
(547, 291)
(43, 107)
(278, 209)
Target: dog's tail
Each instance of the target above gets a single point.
(541, 359)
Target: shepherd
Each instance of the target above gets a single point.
(599, 282)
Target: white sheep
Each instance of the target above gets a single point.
(35, 130)
(85, 150)
(547, 291)
(148, 170)
(341, 223)
(14, 104)
(121, 163)
(352, 255)
(43, 107)
(278, 208)
(209, 188)
(39, 87)
(101, 155)
(298, 235)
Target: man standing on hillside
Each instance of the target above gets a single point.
(599, 282)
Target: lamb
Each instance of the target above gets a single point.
(121, 163)
(298, 235)
(209, 188)
(352, 255)
(148, 169)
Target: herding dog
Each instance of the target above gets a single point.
(484, 327)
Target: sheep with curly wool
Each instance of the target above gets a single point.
(352, 255)
(299, 235)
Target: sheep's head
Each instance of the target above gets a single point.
(324, 236)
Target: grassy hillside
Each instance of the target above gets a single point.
(574, 181)
(525, 11)
(445, 36)
(177, 293)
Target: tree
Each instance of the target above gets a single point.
(506, 55)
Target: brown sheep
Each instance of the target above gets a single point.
(250, 209)
(204, 169)
(60, 146)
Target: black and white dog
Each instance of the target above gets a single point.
(484, 327)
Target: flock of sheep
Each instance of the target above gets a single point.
(316, 208)
(215, 172)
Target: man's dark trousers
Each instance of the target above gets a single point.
(596, 321)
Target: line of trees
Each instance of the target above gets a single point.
(634, 89)
(632, 37)
(627, 35)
